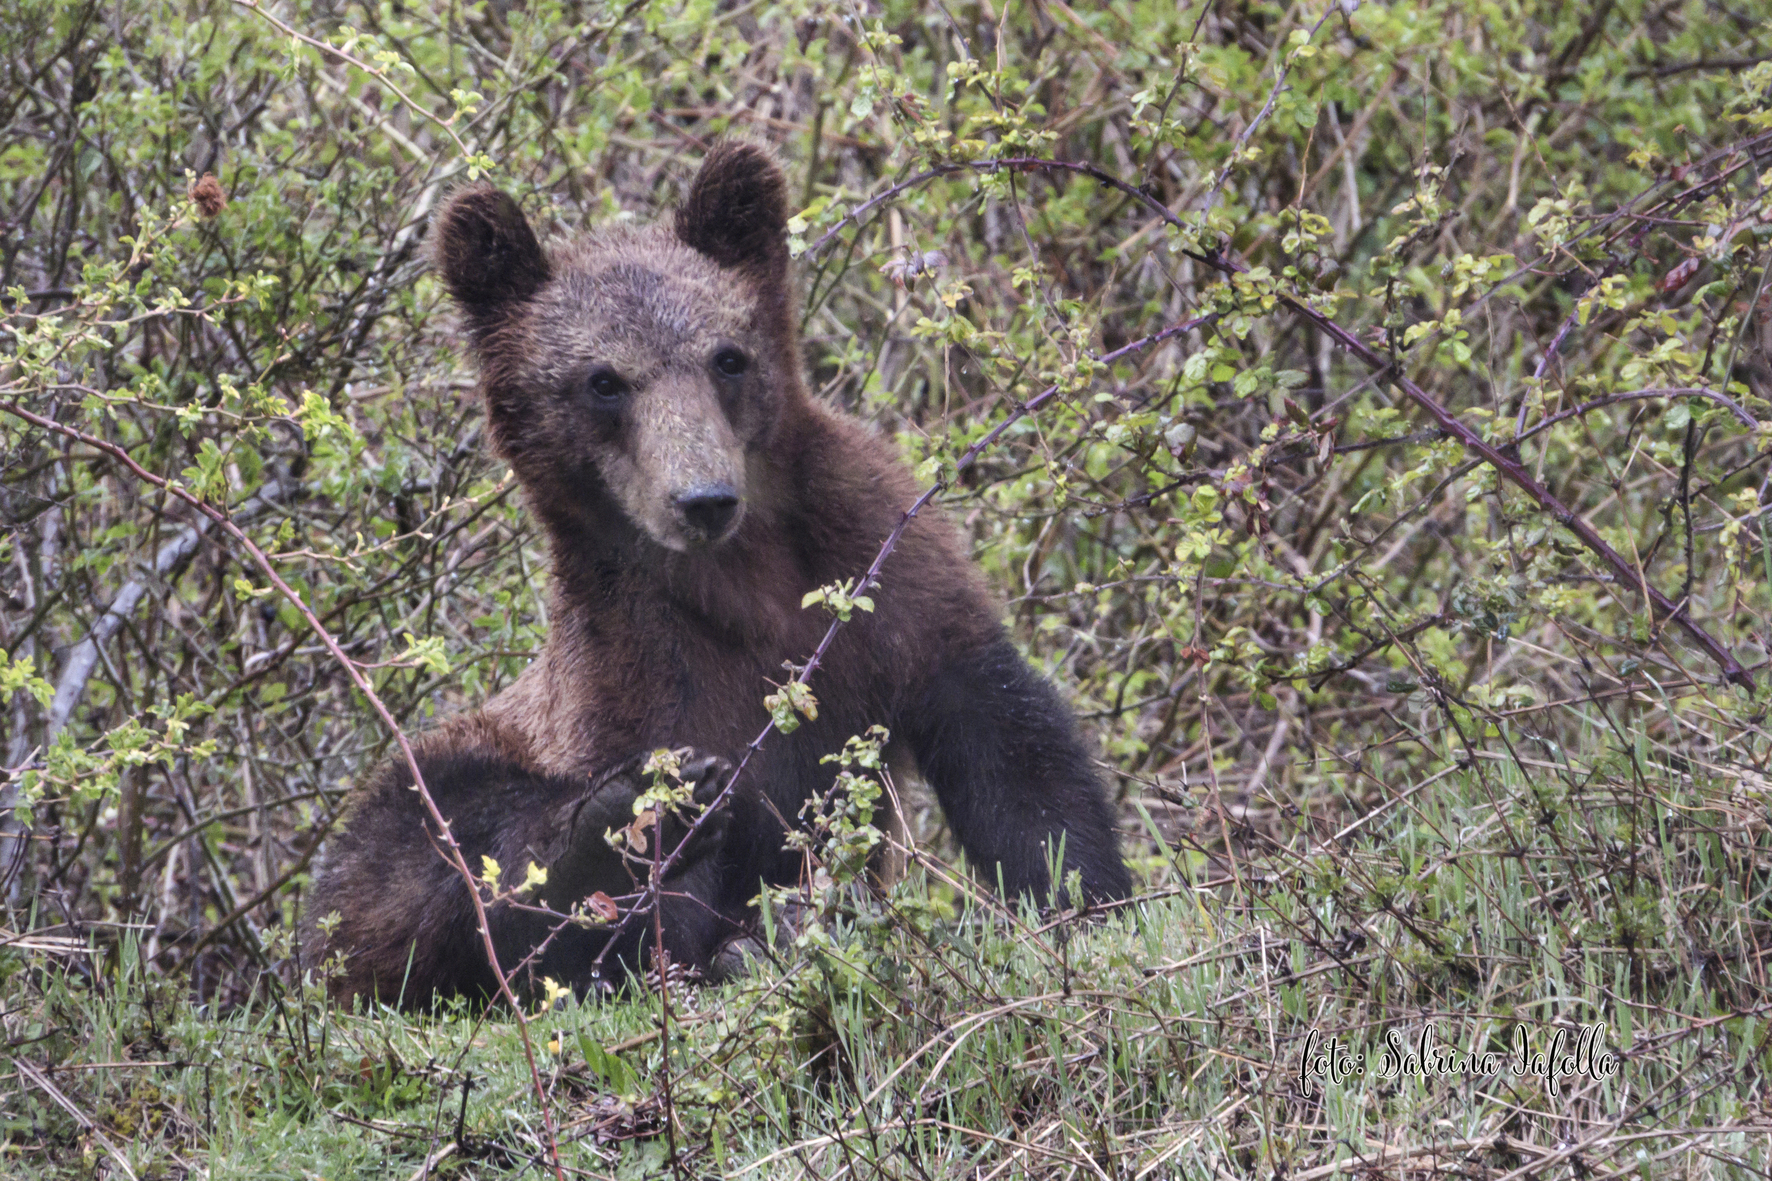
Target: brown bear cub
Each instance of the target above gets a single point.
(645, 386)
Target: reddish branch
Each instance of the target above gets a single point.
(1728, 403)
(1516, 472)
(451, 851)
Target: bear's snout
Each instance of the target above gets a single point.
(708, 511)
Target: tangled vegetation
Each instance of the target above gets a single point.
(1363, 409)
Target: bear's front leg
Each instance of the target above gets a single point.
(588, 865)
(1001, 750)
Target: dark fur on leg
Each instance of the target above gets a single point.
(1002, 753)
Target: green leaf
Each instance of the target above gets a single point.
(622, 1078)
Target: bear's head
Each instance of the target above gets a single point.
(637, 374)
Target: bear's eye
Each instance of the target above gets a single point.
(606, 388)
(731, 362)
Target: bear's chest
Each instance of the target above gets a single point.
(690, 664)
(708, 686)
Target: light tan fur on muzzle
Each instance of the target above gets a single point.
(681, 441)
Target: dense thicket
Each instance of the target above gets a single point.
(1418, 313)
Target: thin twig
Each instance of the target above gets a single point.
(1747, 420)
(42, 1083)
(661, 963)
(1272, 95)
(1544, 362)
(379, 75)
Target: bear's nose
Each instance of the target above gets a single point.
(709, 509)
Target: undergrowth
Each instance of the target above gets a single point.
(1363, 409)
(930, 1036)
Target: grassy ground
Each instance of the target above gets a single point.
(1510, 900)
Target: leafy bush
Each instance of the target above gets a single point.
(1363, 409)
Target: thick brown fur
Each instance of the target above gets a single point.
(646, 388)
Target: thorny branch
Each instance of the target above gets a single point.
(1517, 473)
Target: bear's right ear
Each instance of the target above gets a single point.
(486, 251)
(737, 209)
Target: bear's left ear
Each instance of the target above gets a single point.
(487, 253)
(737, 213)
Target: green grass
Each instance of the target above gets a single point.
(1165, 1042)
